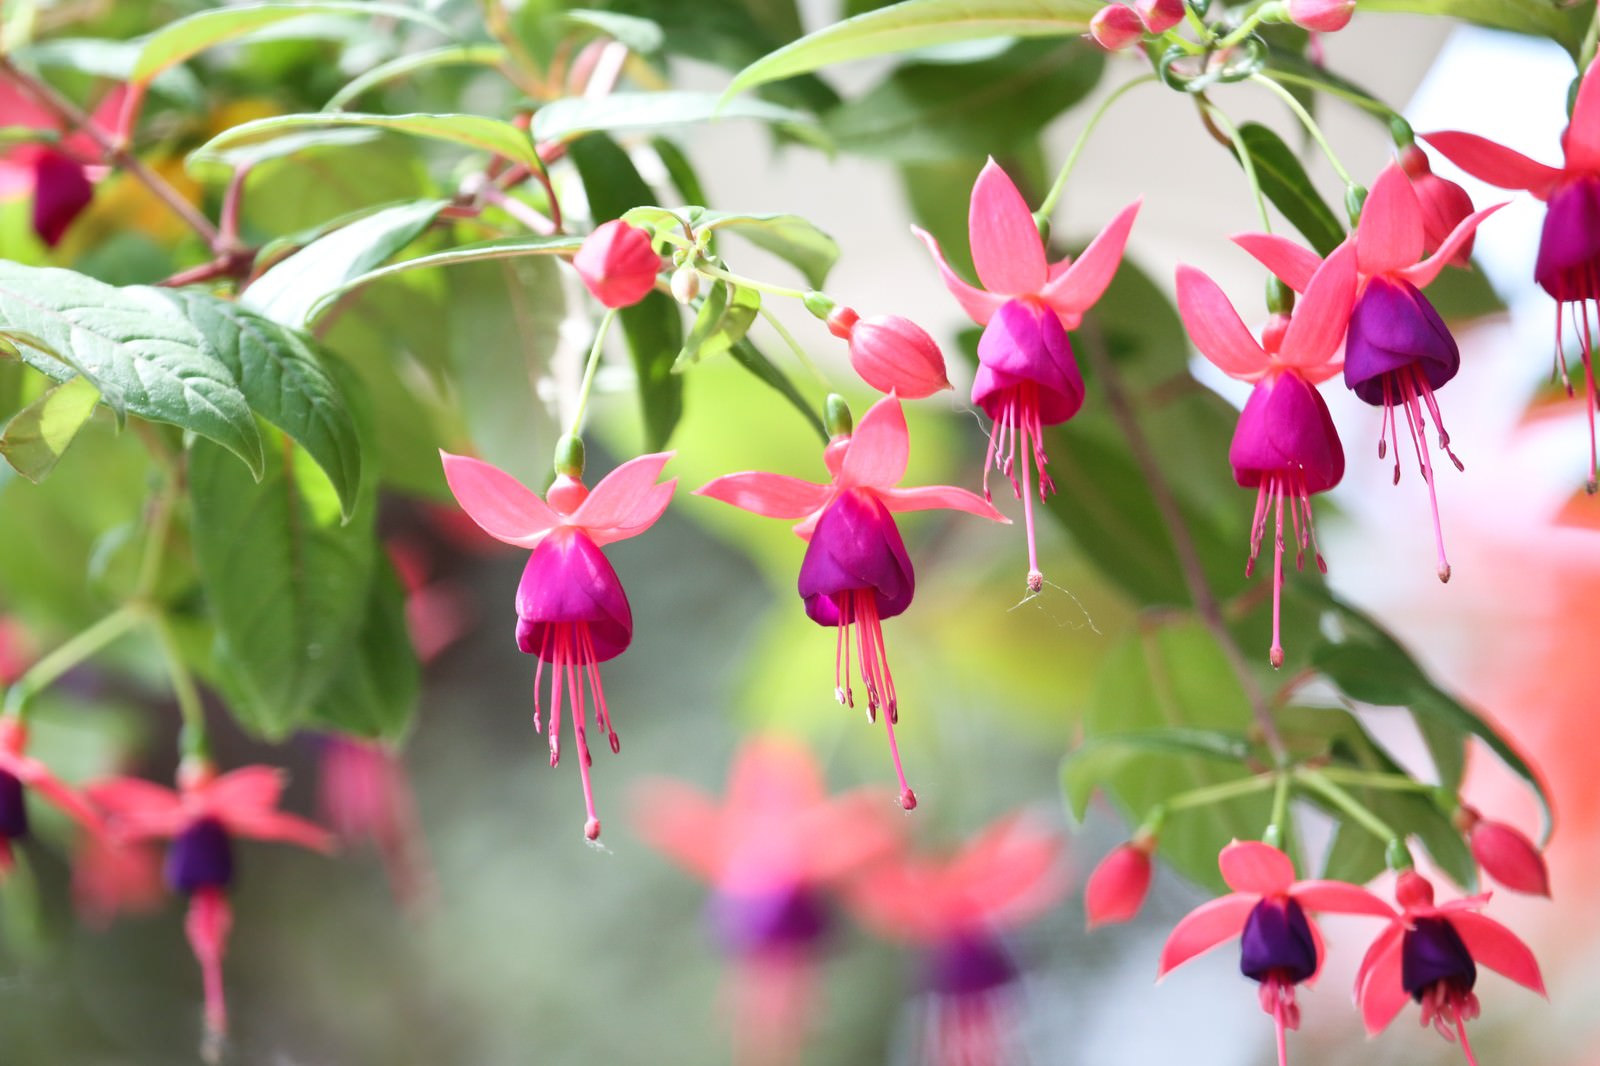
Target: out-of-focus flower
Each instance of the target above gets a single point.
(1118, 886)
(617, 264)
(1159, 16)
(364, 795)
(1504, 853)
(56, 174)
(112, 877)
(19, 774)
(891, 353)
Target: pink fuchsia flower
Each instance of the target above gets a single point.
(1118, 886)
(1444, 205)
(202, 819)
(955, 910)
(856, 572)
(1568, 266)
(1115, 27)
(891, 353)
(1159, 16)
(57, 175)
(1285, 445)
(770, 851)
(364, 796)
(1321, 16)
(1431, 954)
(1027, 377)
(20, 773)
(1398, 351)
(618, 264)
(1504, 853)
(1279, 946)
(571, 609)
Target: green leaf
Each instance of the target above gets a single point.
(284, 377)
(918, 24)
(752, 359)
(937, 111)
(287, 583)
(641, 35)
(133, 345)
(114, 60)
(291, 289)
(1295, 71)
(1562, 23)
(472, 131)
(574, 116)
(725, 316)
(36, 436)
(375, 690)
(472, 55)
(1285, 182)
(187, 37)
(1105, 755)
(789, 237)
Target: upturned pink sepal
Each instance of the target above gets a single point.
(1159, 16)
(618, 264)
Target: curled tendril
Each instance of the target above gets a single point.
(1192, 73)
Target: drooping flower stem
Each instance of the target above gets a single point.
(1365, 103)
(1205, 797)
(1276, 829)
(1217, 118)
(1358, 812)
(589, 372)
(81, 647)
(794, 346)
(1313, 130)
(1092, 344)
(183, 688)
(1047, 208)
(750, 283)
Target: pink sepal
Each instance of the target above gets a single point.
(1339, 897)
(627, 501)
(1215, 327)
(940, 497)
(1074, 290)
(1582, 139)
(979, 305)
(501, 505)
(1204, 928)
(1251, 866)
(879, 449)
(1317, 327)
(1006, 249)
(1289, 262)
(1499, 949)
(769, 495)
(1379, 991)
(136, 809)
(1390, 235)
(1494, 163)
(1421, 274)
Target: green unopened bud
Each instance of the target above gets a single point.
(1401, 131)
(569, 455)
(685, 284)
(836, 416)
(1397, 855)
(1355, 197)
(192, 743)
(1042, 224)
(1280, 298)
(819, 304)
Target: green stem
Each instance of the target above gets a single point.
(1232, 132)
(1047, 208)
(1308, 122)
(1280, 813)
(155, 546)
(751, 283)
(794, 346)
(1358, 812)
(589, 370)
(183, 687)
(1367, 779)
(1247, 27)
(64, 658)
(1203, 797)
(1366, 103)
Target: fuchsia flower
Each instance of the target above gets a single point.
(1398, 352)
(571, 609)
(1568, 267)
(856, 572)
(1279, 946)
(954, 910)
(770, 851)
(202, 818)
(1118, 886)
(1431, 954)
(110, 878)
(19, 772)
(1285, 446)
(618, 264)
(56, 175)
(891, 353)
(1027, 377)
(364, 794)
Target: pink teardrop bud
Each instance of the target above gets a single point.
(1323, 16)
(1508, 856)
(1412, 890)
(1159, 16)
(618, 264)
(1117, 888)
(894, 354)
(1115, 27)
(1444, 204)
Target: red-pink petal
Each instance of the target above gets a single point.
(879, 448)
(1204, 928)
(249, 788)
(1499, 949)
(1006, 248)
(771, 495)
(1254, 867)
(1494, 163)
(1420, 274)
(1215, 328)
(138, 808)
(1289, 262)
(980, 306)
(1390, 235)
(935, 497)
(1385, 941)
(1379, 992)
(38, 777)
(1339, 897)
(1583, 134)
(1317, 327)
(1075, 290)
(627, 501)
(502, 506)
(278, 827)
(682, 823)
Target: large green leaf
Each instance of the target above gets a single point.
(1103, 756)
(918, 24)
(754, 360)
(574, 116)
(287, 582)
(375, 689)
(939, 111)
(725, 315)
(472, 55)
(1563, 23)
(37, 435)
(134, 345)
(288, 292)
(641, 35)
(472, 131)
(284, 376)
(1285, 182)
(114, 60)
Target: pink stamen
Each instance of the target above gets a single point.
(1411, 384)
(858, 609)
(1258, 526)
(1018, 437)
(1275, 653)
(1588, 386)
(1466, 1045)
(560, 657)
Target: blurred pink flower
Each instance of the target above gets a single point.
(20, 773)
(1119, 884)
(56, 174)
(364, 795)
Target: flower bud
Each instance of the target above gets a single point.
(1323, 16)
(1115, 27)
(1159, 16)
(894, 354)
(1117, 888)
(1444, 204)
(685, 284)
(617, 264)
(837, 417)
(1505, 854)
